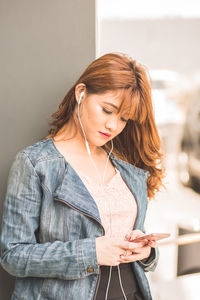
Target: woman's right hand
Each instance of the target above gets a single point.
(109, 250)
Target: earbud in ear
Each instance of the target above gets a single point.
(81, 95)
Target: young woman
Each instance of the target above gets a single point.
(76, 199)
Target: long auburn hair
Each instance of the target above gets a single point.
(139, 142)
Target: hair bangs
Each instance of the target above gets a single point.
(132, 105)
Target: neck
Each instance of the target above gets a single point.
(75, 141)
(78, 143)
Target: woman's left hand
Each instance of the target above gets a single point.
(140, 253)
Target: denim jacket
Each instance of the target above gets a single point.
(50, 223)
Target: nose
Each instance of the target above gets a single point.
(112, 123)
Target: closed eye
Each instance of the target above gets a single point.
(124, 120)
(107, 111)
(110, 112)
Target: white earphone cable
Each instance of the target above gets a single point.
(102, 184)
(108, 285)
(120, 281)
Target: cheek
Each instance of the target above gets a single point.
(121, 128)
(92, 118)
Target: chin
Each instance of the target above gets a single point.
(98, 144)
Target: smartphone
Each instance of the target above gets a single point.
(151, 237)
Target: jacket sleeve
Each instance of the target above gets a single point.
(21, 254)
(151, 262)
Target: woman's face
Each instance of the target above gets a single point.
(101, 118)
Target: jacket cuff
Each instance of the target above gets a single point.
(87, 257)
(151, 262)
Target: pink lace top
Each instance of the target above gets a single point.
(122, 204)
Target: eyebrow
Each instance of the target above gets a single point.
(111, 104)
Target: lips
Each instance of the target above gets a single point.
(107, 135)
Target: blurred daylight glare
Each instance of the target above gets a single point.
(164, 36)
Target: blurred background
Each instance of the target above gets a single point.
(164, 36)
(45, 45)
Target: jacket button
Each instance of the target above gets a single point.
(90, 269)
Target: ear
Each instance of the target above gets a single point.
(80, 91)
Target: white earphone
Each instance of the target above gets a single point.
(86, 142)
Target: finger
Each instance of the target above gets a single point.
(132, 234)
(144, 241)
(128, 252)
(131, 245)
(152, 244)
(144, 250)
(133, 257)
(128, 235)
(139, 244)
(136, 233)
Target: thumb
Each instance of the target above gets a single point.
(136, 233)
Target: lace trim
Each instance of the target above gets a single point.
(93, 181)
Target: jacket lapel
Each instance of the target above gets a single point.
(135, 179)
(74, 193)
